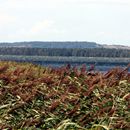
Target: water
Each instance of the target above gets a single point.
(98, 66)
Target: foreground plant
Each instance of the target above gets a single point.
(65, 98)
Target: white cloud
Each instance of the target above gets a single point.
(6, 19)
(99, 1)
(31, 4)
(43, 30)
(55, 3)
(42, 26)
(42, 4)
(63, 19)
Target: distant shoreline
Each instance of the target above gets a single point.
(101, 64)
(62, 59)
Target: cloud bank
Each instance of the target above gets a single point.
(104, 21)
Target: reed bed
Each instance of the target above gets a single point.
(65, 98)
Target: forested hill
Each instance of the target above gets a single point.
(37, 44)
(58, 44)
(81, 49)
(77, 52)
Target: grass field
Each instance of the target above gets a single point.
(65, 98)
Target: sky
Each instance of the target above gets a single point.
(101, 21)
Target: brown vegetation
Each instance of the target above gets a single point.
(65, 98)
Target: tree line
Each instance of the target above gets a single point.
(87, 52)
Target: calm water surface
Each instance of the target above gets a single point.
(98, 66)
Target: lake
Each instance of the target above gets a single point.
(101, 63)
(98, 66)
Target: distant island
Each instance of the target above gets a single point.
(61, 53)
(60, 44)
(62, 49)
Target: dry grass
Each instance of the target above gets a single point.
(37, 98)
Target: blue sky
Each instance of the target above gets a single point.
(101, 21)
